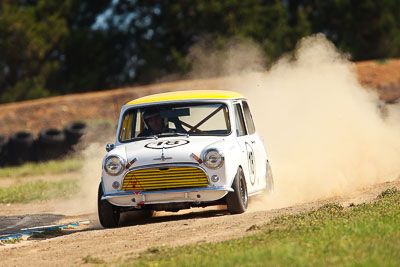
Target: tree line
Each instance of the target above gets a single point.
(53, 47)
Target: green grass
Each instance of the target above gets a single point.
(38, 190)
(95, 122)
(49, 167)
(382, 60)
(47, 233)
(361, 235)
(92, 260)
(10, 241)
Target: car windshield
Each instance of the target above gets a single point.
(174, 120)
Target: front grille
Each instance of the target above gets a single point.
(164, 178)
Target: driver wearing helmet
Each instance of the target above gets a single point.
(154, 124)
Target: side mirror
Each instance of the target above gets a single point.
(109, 147)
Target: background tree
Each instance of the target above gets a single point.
(35, 38)
(162, 31)
(28, 35)
(50, 47)
(365, 29)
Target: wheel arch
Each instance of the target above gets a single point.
(233, 173)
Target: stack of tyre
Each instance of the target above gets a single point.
(50, 144)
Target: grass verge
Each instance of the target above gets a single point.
(38, 190)
(367, 235)
(10, 241)
(47, 233)
(49, 167)
(92, 260)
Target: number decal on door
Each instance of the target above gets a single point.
(251, 163)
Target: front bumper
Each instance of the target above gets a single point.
(140, 198)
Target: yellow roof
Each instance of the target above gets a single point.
(185, 95)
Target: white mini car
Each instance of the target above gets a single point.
(183, 149)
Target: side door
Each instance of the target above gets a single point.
(257, 144)
(245, 141)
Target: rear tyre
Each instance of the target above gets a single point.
(270, 179)
(109, 214)
(237, 201)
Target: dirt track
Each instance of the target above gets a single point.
(124, 243)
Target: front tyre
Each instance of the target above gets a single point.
(238, 199)
(108, 214)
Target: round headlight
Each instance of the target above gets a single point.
(213, 158)
(114, 165)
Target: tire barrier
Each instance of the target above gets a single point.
(20, 148)
(51, 143)
(73, 132)
(3, 149)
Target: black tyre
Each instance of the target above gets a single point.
(237, 201)
(3, 149)
(20, 147)
(270, 179)
(109, 215)
(51, 144)
(74, 131)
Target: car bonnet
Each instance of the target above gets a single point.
(168, 150)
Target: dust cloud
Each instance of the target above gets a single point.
(91, 150)
(88, 177)
(324, 133)
(206, 62)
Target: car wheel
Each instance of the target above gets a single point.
(109, 215)
(238, 199)
(270, 179)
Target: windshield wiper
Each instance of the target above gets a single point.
(172, 134)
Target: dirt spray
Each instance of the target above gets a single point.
(325, 134)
